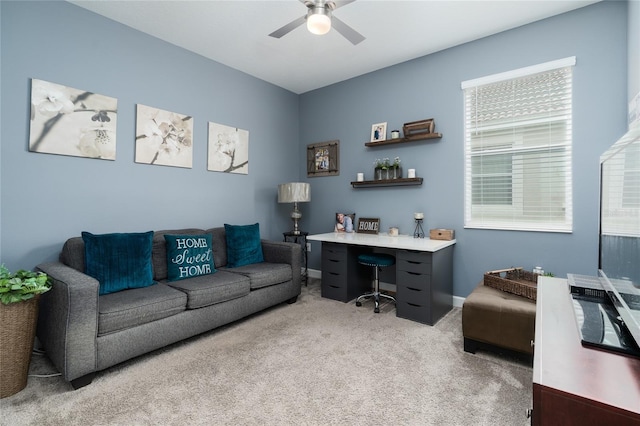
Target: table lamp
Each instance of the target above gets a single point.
(294, 192)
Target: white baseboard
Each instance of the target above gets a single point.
(314, 273)
(457, 300)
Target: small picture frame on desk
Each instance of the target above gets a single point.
(344, 222)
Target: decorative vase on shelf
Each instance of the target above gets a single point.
(396, 173)
(377, 175)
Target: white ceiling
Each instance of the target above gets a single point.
(235, 33)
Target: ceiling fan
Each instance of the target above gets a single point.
(319, 20)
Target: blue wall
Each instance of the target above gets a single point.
(429, 87)
(633, 49)
(49, 198)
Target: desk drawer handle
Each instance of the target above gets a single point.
(334, 273)
(414, 262)
(334, 286)
(413, 273)
(334, 260)
(414, 289)
(413, 304)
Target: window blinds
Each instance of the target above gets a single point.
(518, 150)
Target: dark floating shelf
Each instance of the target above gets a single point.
(405, 140)
(387, 182)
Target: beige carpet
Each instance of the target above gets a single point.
(316, 362)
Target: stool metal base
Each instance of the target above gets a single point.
(376, 291)
(376, 297)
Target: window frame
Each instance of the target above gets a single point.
(519, 151)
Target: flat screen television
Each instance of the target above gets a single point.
(607, 307)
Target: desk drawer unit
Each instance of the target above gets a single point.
(424, 284)
(413, 285)
(339, 268)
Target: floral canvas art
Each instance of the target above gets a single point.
(163, 138)
(68, 121)
(228, 149)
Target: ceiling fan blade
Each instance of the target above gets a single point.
(349, 33)
(340, 3)
(289, 27)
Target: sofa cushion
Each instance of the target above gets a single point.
(219, 241)
(159, 254)
(188, 256)
(243, 245)
(119, 261)
(208, 290)
(265, 274)
(130, 308)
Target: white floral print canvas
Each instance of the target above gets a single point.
(164, 138)
(68, 121)
(228, 149)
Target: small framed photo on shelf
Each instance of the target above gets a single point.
(378, 132)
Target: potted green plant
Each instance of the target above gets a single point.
(19, 294)
(396, 170)
(377, 166)
(382, 168)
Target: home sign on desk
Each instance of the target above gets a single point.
(368, 225)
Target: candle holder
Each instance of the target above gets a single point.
(419, 232)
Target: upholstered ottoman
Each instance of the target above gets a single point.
(492, 317)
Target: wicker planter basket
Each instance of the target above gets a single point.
(18, 322)
(513, 280)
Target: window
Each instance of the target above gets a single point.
(518, 149)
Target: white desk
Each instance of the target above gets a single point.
(405, 242)
(423, 271)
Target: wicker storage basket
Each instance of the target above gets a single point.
(513, 280)
(18, 322)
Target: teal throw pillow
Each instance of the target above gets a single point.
(189, 256)
(119, 261)
(243, 245)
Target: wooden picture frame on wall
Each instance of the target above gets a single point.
(323, 159)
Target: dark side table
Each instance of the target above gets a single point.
(300, 238)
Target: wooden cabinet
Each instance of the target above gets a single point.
(574, 384)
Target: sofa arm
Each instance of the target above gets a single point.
(284, 252)
(68, 320)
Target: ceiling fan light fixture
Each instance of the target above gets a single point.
(319, 20)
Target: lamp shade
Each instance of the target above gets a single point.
(294, 192)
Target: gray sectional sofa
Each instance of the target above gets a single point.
(84, 332)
